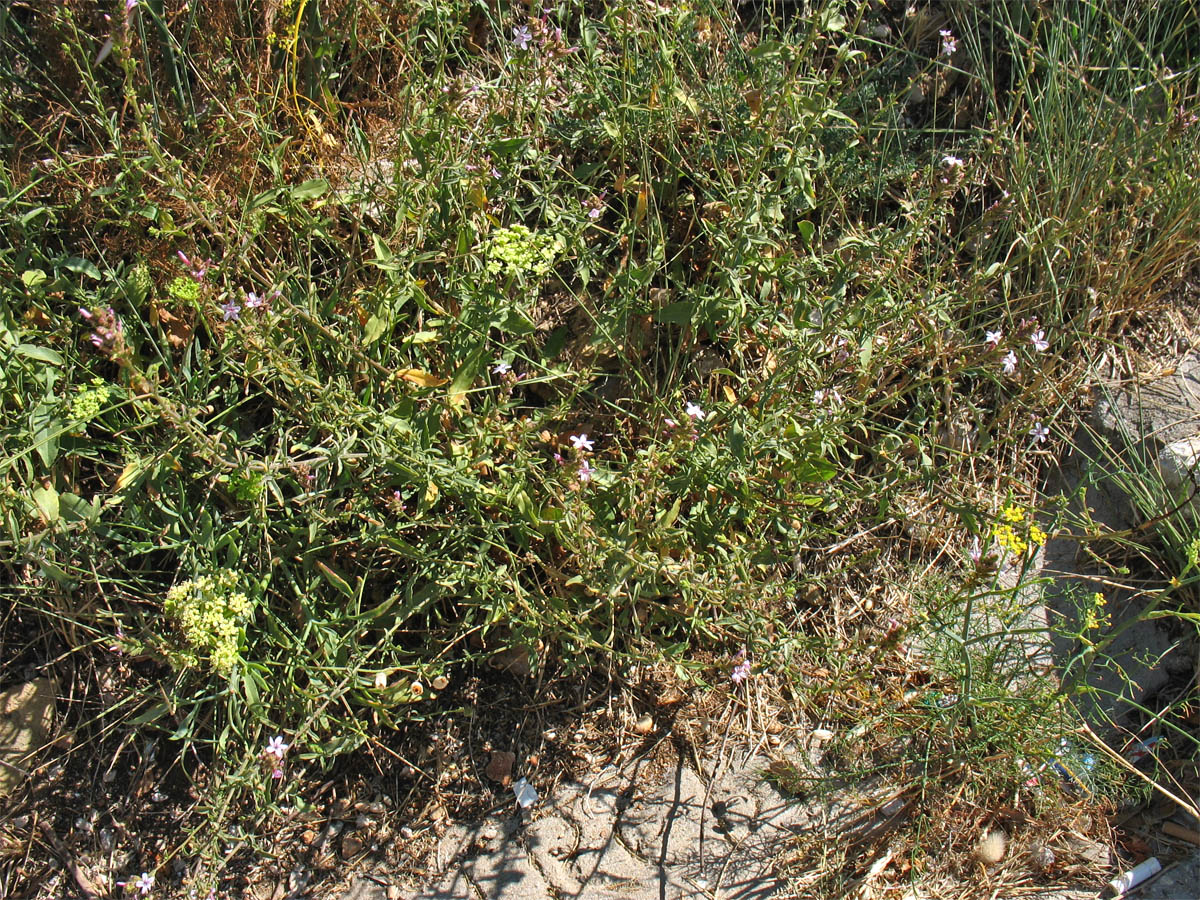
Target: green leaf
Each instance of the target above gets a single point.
(46, 429)
(667, 519)
(807, 229)
(41, 354)
(46, 499)
(376, 328)
(33, 278)
(310, 190)
(335, 579)
(153, 714)
(384, 258)
(74, 508)
(815, 468)
(81, 266)
(509, 146)
(678, 313)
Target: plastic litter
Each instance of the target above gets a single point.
(1141, 749)
(1135, 876)
(1075, 767)
(525, 794)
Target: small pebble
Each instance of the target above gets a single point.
(1041, 856)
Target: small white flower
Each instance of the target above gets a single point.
(1009, 363)
(501, 368)
(585, 471)
(1038, 339)
(695, 412)
(994, 337)
(1039, 433)
(144, 883)
(949, 44)
(581, 441)
(381, 679)
(952, 162)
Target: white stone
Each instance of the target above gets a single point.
(1179, 463)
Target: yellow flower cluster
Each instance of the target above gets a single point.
(1016, 530)
(1092, 618)
(210, 611)
(88, 400)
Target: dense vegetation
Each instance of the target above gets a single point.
(349, 344)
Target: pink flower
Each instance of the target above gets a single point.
(994, 337)
(740, 672)
(1009, 363)
(1038, 339)
(585, 471)
(695, 412)
(276, 747)
(144, 883)
(581, 442)
(1039, 433)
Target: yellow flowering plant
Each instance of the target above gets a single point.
(1016, 530)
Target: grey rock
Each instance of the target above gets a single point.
(26, 722)
(1161, 412)
(1179, 463)
(366, 889)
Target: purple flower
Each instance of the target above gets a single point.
(585, 471)
(254, 301)
(1039, 433)
(144, 883)
(130, 4)
(522, 37)
(1009, 363)
(1038, 339)
(949, 44)
(276, 747)
(109, 334)
(501, 368)
(740, 672)
(581, 442)
(196, 268)
(558, 458)
(231, 310)
(994, 337)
